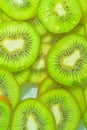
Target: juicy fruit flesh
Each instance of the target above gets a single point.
(61, 103)
(5, 114)
(9, 87)
(72, 59)
(34, 115)
(60, 10)
(65, 16)
(69, 59)
(57, 113)
(59, 16)
(18, 45)
(31, 123)
(19, 1)
(13, 45)
(19, 9)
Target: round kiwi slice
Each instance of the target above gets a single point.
(32, 114)
(64, 108)
(47, 84)
(21, 76)
(59, 16)
(67, 61)
(35, 22)
(19, 9)
(19, 45)
(37, 72)
(85, 118)
(9, 87)
(5, 115)
(77, 92)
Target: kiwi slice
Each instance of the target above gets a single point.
(78, 94)
(37, 72)
(0, 16)
(59, 16)
(5, 17)
(21, 76)
(19, 9)
(80, 29)
(47, 37)
(44, 49)
(67, 61)
(47, 84)
(19, 45)
(83, 5)
(85, 118)
(32, 114)
(64, 108)
(9, 87)
(38, 26)
(5, 115)
(85, 93)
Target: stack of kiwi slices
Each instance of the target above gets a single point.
(43, 65)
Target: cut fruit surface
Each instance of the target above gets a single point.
(64, 108)
(19, 45)
(9, 87)
(59, 16)
(5, 115)
(67, 61)
(32, 114)
(19, 9)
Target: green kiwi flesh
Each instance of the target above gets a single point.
(85, 93)
(46, 85)
(9, 87)
(47, 37)
(78, 94)
(83, 5)
(64, 108)
(85, 118)
(59, 16)
(67, 61)
(21, 76)
(19, 9)
(5, 17)
(19, 45)
(44, 49)
(37, 72)
(31, 114)
(35, 22)
(5, 115)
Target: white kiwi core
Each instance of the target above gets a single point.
(13, 45)
(32, 123)
(19, 1)
(72, 59)
(60, 9)
(57, 113)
